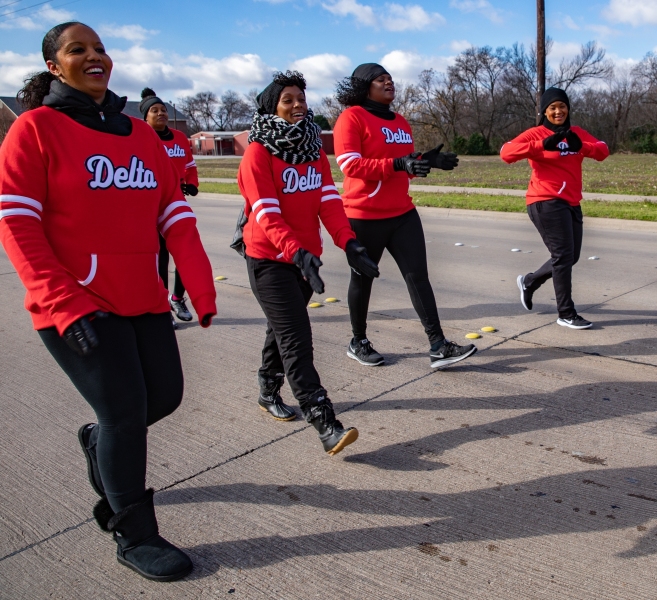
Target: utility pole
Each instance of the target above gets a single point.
(540, 54)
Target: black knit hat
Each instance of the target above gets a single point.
(369, 72)
(551, 95)
(267, 100)
(148, 99)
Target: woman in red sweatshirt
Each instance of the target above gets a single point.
(84, 193)
(555, 151)
(286, 181)
(177, 147)
(374, 150)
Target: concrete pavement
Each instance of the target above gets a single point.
(450, 189)
(528, 471)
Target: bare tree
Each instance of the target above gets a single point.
(232, 112)
(589, 64)
(200, 110)
(330, 108)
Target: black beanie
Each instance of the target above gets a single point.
(148, 99)
(369, 71)
(267, 100)
(551, 95)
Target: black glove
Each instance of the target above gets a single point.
(441, 160)
(309, 265)
(412, 165)
(206, 321)
(574, 141)
(359, 261)
(188, 189)
(551, 142)
(81, 336)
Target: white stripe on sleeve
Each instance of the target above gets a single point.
(348, 155)
(267, 210)
(22, 200)
(176, 218)
(169, 209)
(346, 162)
(26, 212)
(329, 188)
(331, 197)
(92, 271)
(264, 201)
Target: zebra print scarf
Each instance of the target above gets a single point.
(294, 144)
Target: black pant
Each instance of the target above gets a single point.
(561, 227)
(132, 380)
(163, 270)
(403, 237)
(283, 295)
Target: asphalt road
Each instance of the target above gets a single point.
(528, 471)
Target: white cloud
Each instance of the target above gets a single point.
(634, 12)
(563, 50)
(323, 70)
(392, 16)
(483, 7)
(15, 67)
(459, 46)
(406, 66)
(569, 22)
(44, 18)
(132, 33)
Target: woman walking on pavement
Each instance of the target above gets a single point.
(177, 147)
(84, 193)
(555, 151)
(286, 180)
(374, 150)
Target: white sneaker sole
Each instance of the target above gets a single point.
(564, 324)
(520, 287)
(444, 362)
(350, 354)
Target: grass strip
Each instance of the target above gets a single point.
(633, 211)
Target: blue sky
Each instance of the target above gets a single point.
(180, 48)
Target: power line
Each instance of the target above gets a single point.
(35, 12)
(10, 3)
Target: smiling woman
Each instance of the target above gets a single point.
(84, 191)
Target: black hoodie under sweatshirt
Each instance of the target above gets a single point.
(106, 117)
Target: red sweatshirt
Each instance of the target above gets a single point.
(284, 204)
(80, 212)
(365, 146)
(178, 149)
(554, 174)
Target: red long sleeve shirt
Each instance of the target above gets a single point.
(80, 212)
(179, 151)
(285, 203)
(554, 174)
(365, 146)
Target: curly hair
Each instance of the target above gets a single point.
(352, 91)
(290, 78)
(37, 85)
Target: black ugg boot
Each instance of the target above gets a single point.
(85, 434)
(318, 411)
(271, 401)
(141, 548)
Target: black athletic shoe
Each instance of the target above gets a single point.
(270, 399)
(525, 294)
(450, 353)
(84, 433)
(180, 308)
(363, 352)
(576, 322)
(173, 322)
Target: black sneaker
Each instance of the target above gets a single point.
(362, 351)
(173, 323)
(525, 294)
(180, 308)
(576, 322)
(84, 433)
(450, 353)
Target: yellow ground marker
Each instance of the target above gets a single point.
(220, 278)
(315, 305)
(472, 336)
(331, 300)
(488, 329)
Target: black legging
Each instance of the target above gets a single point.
(163, 270)
(561, 227)
(403, 237)
(132, 380)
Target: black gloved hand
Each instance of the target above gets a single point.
(441, 160)
(551, 143)
(188, 189)
(412, 165)
(309, 265)
(574, 141)
(81, 336)
(206, 321)
(359, 261)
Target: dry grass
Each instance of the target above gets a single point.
(634, 174)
